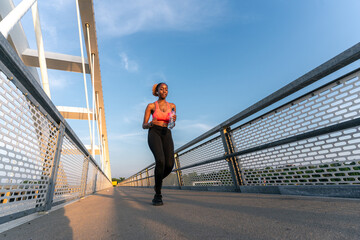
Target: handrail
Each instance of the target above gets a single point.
(343, 59)
(242, 167)
(28, 84)
(42, 139)
(46, 164)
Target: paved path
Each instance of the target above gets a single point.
(127, 213)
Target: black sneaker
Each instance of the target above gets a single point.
(157, 201)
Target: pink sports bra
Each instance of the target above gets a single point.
(160, 115)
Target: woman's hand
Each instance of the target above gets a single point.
(148, 125)
(151, 123)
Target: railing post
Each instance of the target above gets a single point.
(178, 172)
(52, 181)
(147, 177)
(86, 171)
(141, 180)
(232, 161)
(95, 182)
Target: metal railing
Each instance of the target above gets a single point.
(42, 161)
(311, 140)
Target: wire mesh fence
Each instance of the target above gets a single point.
(27, 143)
(70, 181)
(42, 162)
(313, 139)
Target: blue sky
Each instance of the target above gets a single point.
(218, 57)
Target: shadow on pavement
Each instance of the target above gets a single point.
(54, 225)
(127, 213)
(190, 214)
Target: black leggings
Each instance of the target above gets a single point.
(162, 146)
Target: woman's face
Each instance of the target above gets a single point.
(163, 90)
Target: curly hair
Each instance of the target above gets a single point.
(155, 88)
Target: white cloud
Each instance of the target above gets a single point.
(59, 5)
(187, 130)
(57, 81)
(125, 135)
(134, 137)
(122, 17)
(136, 113)
(50, 32)
(157, 77)
(129, 65)
(193, 126)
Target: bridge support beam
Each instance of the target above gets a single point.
(41, 51)
(56, 61)
(14, 16)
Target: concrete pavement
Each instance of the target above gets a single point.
(127, 213)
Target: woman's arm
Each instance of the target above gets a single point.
(147, 114)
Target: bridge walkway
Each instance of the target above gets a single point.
(127, 213)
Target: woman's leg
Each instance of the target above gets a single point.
(155, 144)
(168, 146)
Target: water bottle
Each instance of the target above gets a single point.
(171, 120)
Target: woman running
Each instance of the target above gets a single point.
(159, 136)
